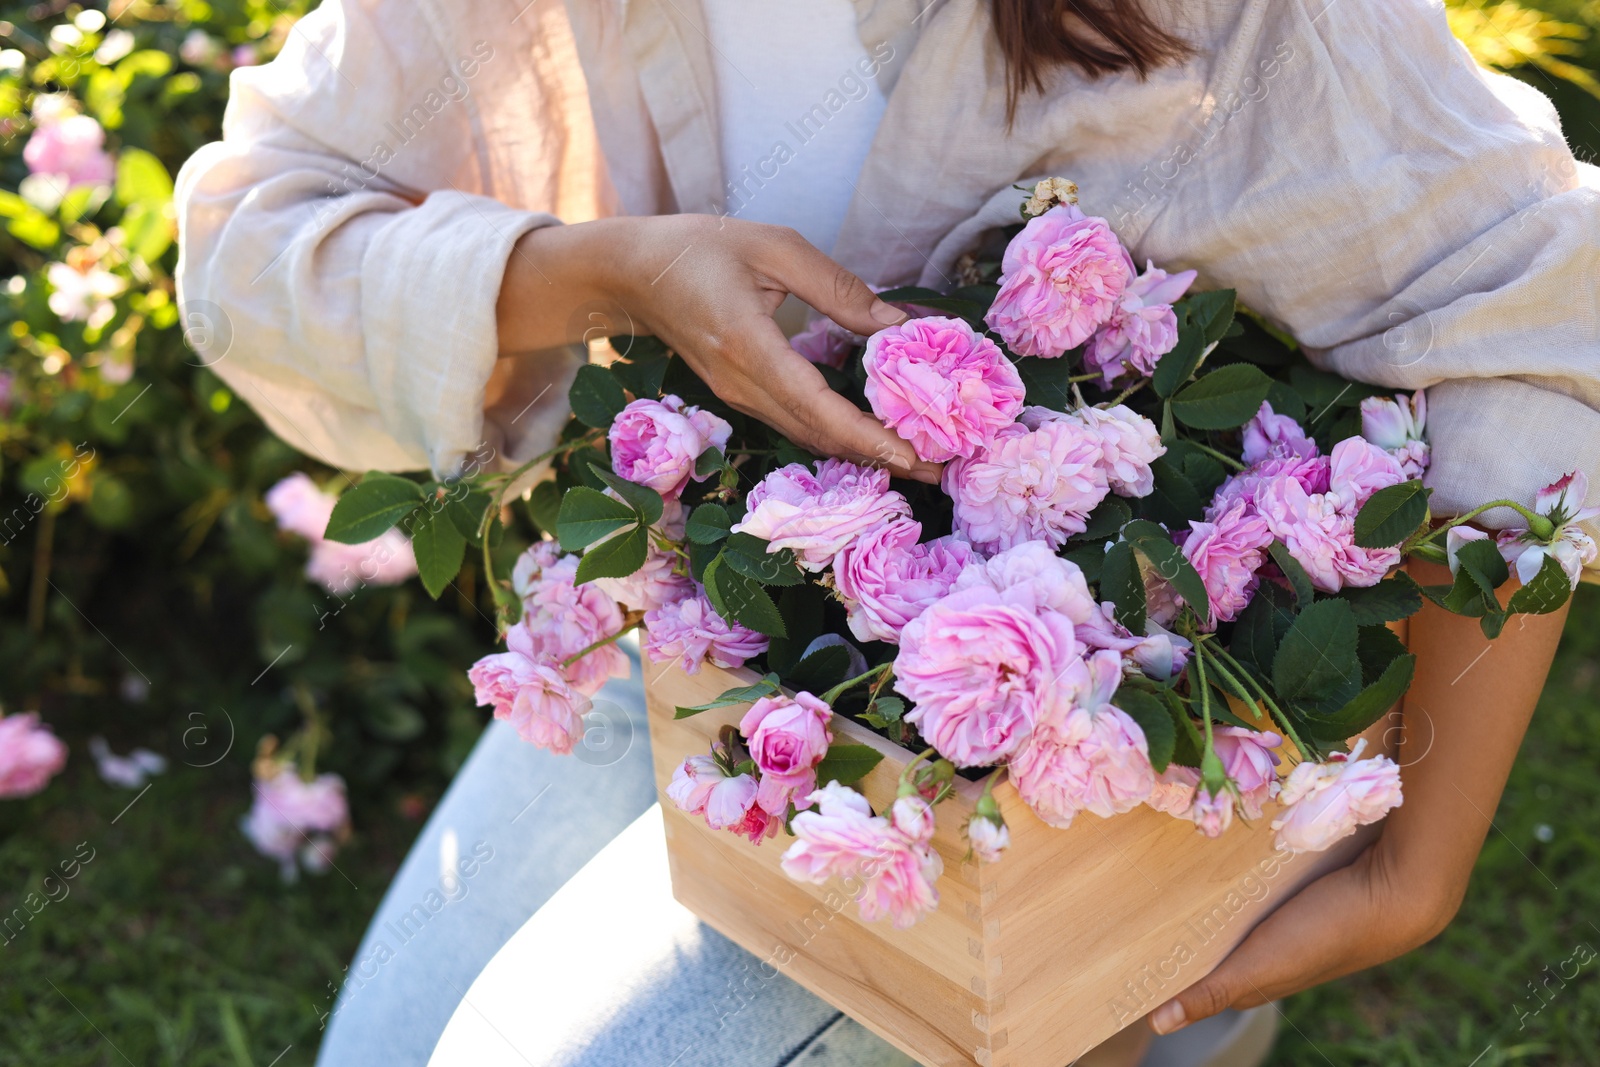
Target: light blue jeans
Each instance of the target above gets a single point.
(516, 825)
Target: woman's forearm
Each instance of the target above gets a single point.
(1464, 719)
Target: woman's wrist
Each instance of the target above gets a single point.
(555, 276)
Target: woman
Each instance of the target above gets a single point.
(379, 228)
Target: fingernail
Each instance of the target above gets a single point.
(1168, 1018)
(887, 313)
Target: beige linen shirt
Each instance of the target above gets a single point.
(1414, 220)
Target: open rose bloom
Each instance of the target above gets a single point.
(1155, 572)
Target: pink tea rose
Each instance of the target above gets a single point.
(834, 838)
(1269, 436)
(988, 839)
(1033, 574)
(532, 693)
(692, 783)
(1061, 278)
(656, 442)
(1212, 812)
(1029, 485)
(824, 342)
(1320, 534)
(1249, 759)
(980, 666)
(1325, 802)
(1129, 443)
(542, 566)
(1174, 790)
(30, 755)
(1563, 502)
(300, 506)
(940, 386)
(816, 513)
(291, 818)
(1398, 427)
(787, 739)
(1247, 485)
(886, 578)
(1142, 329)
(691, 630)
(70, 149)
(1227, 554)
(1357, 469)
(564, 620)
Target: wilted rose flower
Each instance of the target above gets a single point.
(83, 294)
(692, 783)
(1212, 812)
(1269, 435)
(1227, 554)
(939, 385)
(817, 513)
(980, 666)
(1563, 503)
(1029, 485)
(291, 818)
(1250, 760)
(1325, 802)
(1047, 194)
(691, 630)
(30, 755)
(68, 148)
(531, 691)
(1397, 426)
(655, 442)
(1142, 329)
(1174, 790)
(787, 739)
(886, 578)
(1061, 278)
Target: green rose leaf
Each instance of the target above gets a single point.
(1178, 365)
(744, 694)
(596, 396)
(708, 524)
(741, 599)
(847, 764)
(645, 500)
(1299, 580)
(1222, 399)
(820, 671)
(365, 511)
(439, 548)
(1391, 515)
(1160, 733)
(1123, 585)
(1317, 665)
(616, 557)
(1396, 597)
(1212, 312)
(753, 557)
(1549, 590)
(587, 515)
(1367, 706)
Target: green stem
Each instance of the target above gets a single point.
(1234, 684)
(833, 694)
(1126, 393)
(603, 642)
(1272, 705)
(1076, 378)
(543, 457)
(1224, 459)
(1425, 536)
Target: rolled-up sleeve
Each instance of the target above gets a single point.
(339, 253)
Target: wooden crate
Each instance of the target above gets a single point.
(1028, 962)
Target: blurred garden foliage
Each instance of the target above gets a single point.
(146, 594)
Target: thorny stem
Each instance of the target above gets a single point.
(833, 694)
(1126, 393)
(1417, 540)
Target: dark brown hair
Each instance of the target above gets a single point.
(1096, 36)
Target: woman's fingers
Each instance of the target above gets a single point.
(808, 273)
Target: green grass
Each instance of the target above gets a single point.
(178, 945)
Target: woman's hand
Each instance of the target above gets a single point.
(708, 287)
(1463, 722)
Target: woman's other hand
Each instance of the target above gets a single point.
(708, 287)
(1462, 724)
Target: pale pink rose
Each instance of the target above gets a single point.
(543, 562)
(980, 667)
(30, 755)
(1162, 654)
(1563, 502)
(564, 619)
(291, 818)
(939, 385)
(1325, 802)
(656, 442)
(1061, 278)
(1399, 427)
(1129, 443)
(71, 149)
(824, 342)
(886, 578)
(900, 879)
(691, 630)
(1174, 790)
(988, 839)
(834, 838)
(1320, 535)
(1269, 435)
(1357, 469)
(1029, 485)
(1030, 573)
(532, 693)
(1212, 813)
(1456, 538)
(1249, 759)
(1227, 554)
(816, 513)
(83, 294)
(1312, 474)
(729, 801)
(692, 783)
(1142, 329)
(300, 506)
(787, 739)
